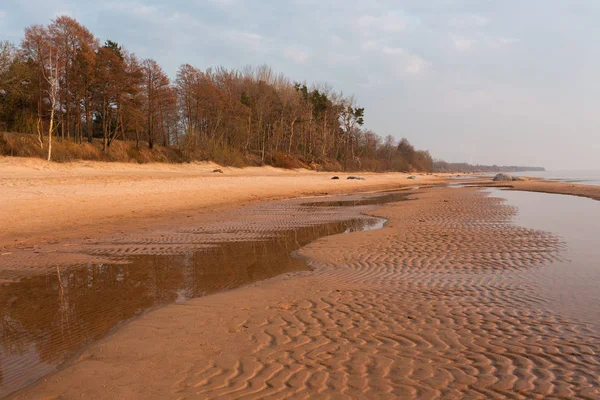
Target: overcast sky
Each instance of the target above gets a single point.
(482, 81)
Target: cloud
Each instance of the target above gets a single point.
(483, 40)
(139, 10)
(393, 50)
(247, 40)
(371, 44)
(371, 80)
(463, 44)
(223, 3)
(415, 64)
(387, 22)
(470, 21)
(336, 41)
(400, 60)
(410, 63)
(503, 41)
(338, 58)
(294, 54)
(66, 13)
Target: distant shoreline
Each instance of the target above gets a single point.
(551, 187)
(581, 177)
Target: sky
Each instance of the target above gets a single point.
(507, 82)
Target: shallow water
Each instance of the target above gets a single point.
(45, 319)
(585, 177)
(354, 201)
(570, 286)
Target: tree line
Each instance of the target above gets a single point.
(60, 82)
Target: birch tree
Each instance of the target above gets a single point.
(51, 76)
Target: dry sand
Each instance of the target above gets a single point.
(430, 306)
(42, 202)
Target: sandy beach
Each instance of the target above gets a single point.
(42, 202)
(552, 187)
(336, 200)
(432, 305)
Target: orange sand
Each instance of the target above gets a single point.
(42, 202)
(593, 192)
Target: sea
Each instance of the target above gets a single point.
(587, 177)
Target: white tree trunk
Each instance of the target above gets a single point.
(53, 92)
(50, 132)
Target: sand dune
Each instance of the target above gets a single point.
(431, 306)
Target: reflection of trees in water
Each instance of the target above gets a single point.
(63, 304)
(13, 336)
(60, 312)
(13, 339)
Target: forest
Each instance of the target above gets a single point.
(64, 95)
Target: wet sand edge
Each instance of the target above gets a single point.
(550, 187)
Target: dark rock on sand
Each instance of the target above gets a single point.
(218, 171)
(358, 178)
(335, 177)
(412, 177)
(506, 178)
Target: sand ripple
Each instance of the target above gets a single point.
(426, 309)
(432, 306)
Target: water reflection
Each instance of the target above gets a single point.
(364, 201)
(45, 319)
(570, 286)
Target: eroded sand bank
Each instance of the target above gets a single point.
(429, 306)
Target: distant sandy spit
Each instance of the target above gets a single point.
(44, 202)
(543, 186)
(430, 306)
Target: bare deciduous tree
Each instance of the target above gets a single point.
(79, 88)
(51, 77)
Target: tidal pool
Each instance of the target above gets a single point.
(571, 286)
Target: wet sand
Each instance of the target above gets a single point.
(542, 186)
(441, 302)
(52, 309)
